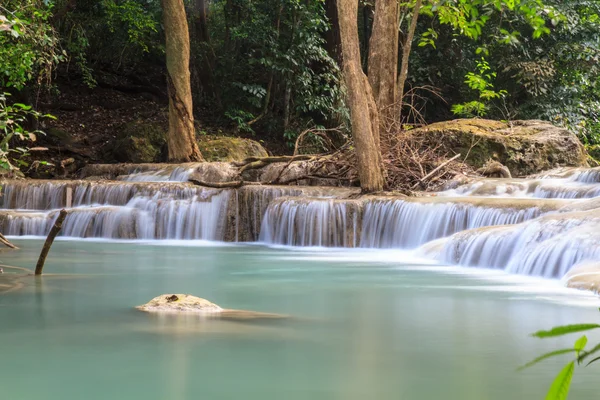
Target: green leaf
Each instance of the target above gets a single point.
(580, 344)
(545, 356)
(566, 329)
(586, 354)
(562, 383)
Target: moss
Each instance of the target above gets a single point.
(230, 149)
(140, 142)
(525, 147)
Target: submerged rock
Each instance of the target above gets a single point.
(188, 304)
(524, 147)
(230, 149)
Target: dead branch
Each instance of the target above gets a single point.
(49, 240)
(218, 185)
(436, 170)
(6, 242)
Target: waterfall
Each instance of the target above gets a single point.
(391, 223)
(178, 174)
(388, 223)
(311, 222)
(547, 246)
(535, 188)
(543, 225)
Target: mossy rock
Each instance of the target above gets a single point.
(140, 142)
(525, 147)
(228, 149)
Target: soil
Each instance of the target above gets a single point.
(88, 119)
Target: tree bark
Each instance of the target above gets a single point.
(383, 56)
(49, 240)
(365, 129)
(406, 52)
(181, 138)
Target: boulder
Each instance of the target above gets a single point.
(524, 147)
(187, 304)
(139, 142)
(180, 303)
(230, 149)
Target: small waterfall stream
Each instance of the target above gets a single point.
(539, 226)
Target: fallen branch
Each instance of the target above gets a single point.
(217, 185)
(442, 165)
(6, 242)
(49, 240)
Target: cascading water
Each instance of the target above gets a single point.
(539, 226)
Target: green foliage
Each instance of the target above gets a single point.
(559, 390)
(13, 119)
(132, 17)
(28, 43)
(482, 83)
(270, 56)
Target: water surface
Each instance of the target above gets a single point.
(367, 325)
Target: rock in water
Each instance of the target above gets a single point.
(584, 276)
(180, 303)
(187, 304)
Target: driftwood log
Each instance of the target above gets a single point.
(49, 240)
(218, 185)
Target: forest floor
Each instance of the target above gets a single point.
(88, 121)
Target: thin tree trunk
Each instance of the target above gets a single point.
(332, 36)
(181, 138)
(365, 129)
(204, 73)
(406, 52)
(383, 57)
(49, 240)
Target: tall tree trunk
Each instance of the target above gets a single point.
(181, 138)
(332, 36)
(203, 71)
(383, 58)
(406, 51)
(365, 129)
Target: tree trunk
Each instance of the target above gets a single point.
(203, 69)
(365, 129)
(383, 57)
(406, 52)
(332, 36)
(181, 138)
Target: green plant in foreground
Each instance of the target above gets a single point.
(559, 390)
(13, 118)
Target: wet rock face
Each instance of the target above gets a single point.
(230, 149)
(140, 142)
(524, 147)
(180, 303)
(584, 276)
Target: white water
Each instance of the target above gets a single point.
(504, 224)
